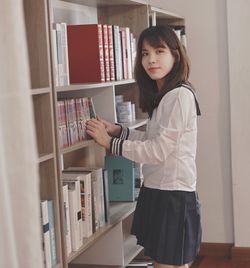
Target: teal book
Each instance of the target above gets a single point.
(121, 178)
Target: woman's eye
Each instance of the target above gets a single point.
(159, 51)
(144, 54)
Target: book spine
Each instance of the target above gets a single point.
(117, 53)
(59, 53)
(46, 234)
(101, 52)
(65, 57)
(111, 53)
(67, 227)
(52, 233)
(124, 54)
(106, 52)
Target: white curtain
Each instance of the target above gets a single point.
(20, 231)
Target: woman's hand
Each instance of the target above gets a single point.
(97, 130)
(112, 129)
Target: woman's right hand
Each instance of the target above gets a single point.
(112, 129)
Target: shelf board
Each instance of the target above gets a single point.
(163, 14)
(39, 91)
(131, 249)
(93, 85)
(118, 212)
(100, 3)
(77, 146)
(45, 157)
(135, 124)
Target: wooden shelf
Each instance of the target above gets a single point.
(135, 124)
(101, 3)
(118, 212)
(131, 249)
(163, 14)
(38, 91)
(77, 146)
(45, 157)
(74, 87)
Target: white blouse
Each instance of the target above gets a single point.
(167, 149)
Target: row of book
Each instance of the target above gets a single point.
(72, 116)
(92, 53)
(48, 230)
(125, 110)
(86, 204)
(87, 192)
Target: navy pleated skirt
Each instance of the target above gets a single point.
(167, 224)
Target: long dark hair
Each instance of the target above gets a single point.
(150, 96)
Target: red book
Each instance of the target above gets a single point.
(85, 50)
(106, 51)
(111, 53)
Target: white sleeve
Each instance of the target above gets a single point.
(131, 134)
(136, 135)
(173, 117)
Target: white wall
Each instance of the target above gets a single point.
(207, 47)
(239, 69)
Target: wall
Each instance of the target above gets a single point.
(207, 47)
(239, 69)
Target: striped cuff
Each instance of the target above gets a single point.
(124, 132)
(116, 146)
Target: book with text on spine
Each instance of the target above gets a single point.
(85, 50)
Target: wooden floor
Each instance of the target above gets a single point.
(217, 262)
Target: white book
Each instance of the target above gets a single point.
(98, 210)
(55, 57)
(46, 234)
(59, 54)
(86, 204)
(65, 57)
(128, 51)
(117, 52)
(52, 232)
(67, 219)
(75, 213)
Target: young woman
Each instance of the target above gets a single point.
(167, 216)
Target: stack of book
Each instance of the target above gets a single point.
(86, 203)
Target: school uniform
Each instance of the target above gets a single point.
(167, 216)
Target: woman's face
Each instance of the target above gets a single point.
(157, 62)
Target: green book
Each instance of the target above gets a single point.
(121, 178)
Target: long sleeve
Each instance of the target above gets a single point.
(172, 117)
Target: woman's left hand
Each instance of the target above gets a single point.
(96, 129)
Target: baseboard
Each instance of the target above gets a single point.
(216, 250)
(240, 253)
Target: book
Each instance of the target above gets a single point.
(52, 233)
(106, 51)
(71, 121)
(75, 213)
(117, 53)
(111, 53)
(86, 204)
(127, 45)
(67, 227)
(98, 207)
(86, 56)
(92, 112)
(121, 178)
(46, 234)
(106, 195)
(62, 124)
